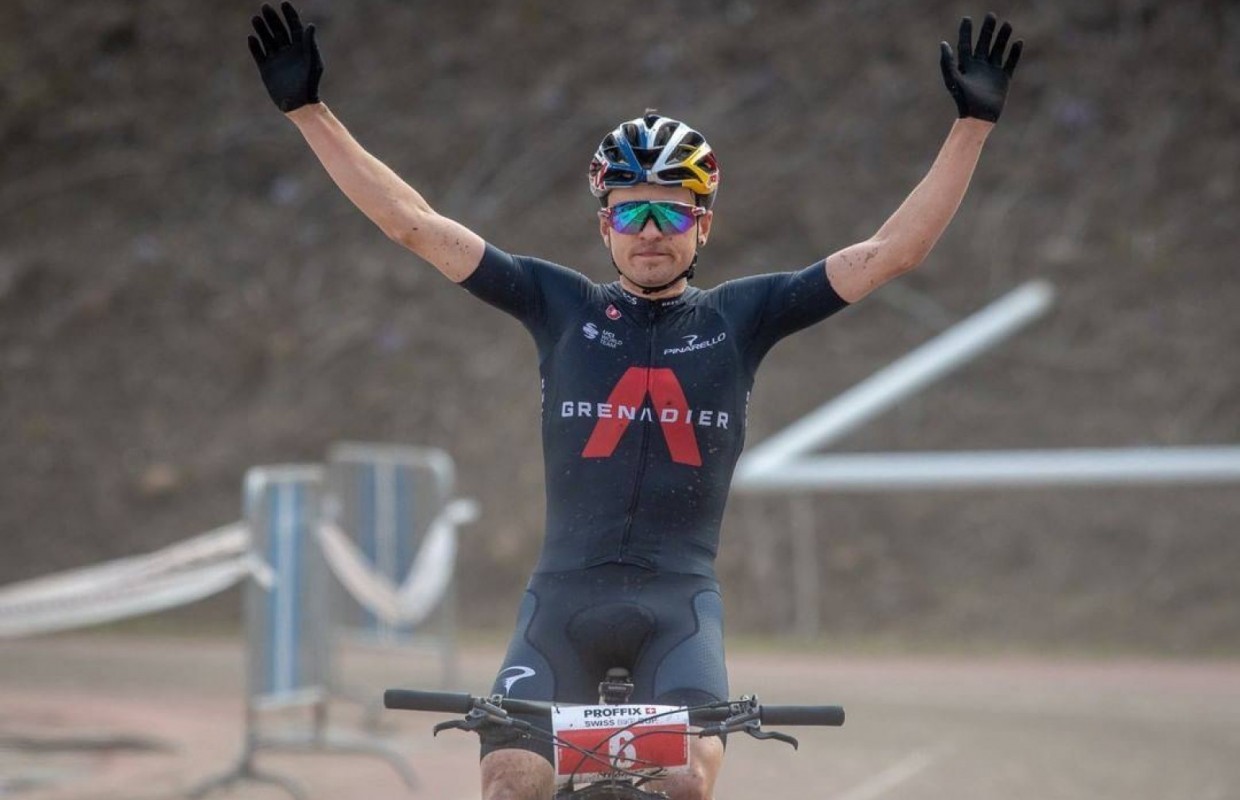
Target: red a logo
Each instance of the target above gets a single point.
(671, 409)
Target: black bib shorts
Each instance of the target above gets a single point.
(666, 629)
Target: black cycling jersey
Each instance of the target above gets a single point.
(644, 402)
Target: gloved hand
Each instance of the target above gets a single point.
(977, 77)
(287, 57)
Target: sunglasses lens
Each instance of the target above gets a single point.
(631, 217)
(673, 217)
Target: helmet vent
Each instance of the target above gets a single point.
(683, 152)
(646, 156)
(676, 174)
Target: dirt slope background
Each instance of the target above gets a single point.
(183, 293)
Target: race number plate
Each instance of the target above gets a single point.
(635, 737)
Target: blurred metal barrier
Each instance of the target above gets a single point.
(385, 499)
(389, 533)
(379, 518)
(288, 649)
(288, 631)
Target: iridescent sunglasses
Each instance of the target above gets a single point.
(669, 217)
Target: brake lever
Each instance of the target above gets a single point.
(452, 723)
(484, 713)
(756, 732)
(734, 723)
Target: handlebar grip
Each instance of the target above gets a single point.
(801, 715)
(441, 702)
(534, 707)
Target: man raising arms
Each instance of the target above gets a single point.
(646, 382)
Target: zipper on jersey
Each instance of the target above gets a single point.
(645, 443)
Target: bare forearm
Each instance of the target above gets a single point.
(389, 202)
(379, 192)
(911, 232)
(907, 236)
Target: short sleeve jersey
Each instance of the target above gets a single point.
(644, 402)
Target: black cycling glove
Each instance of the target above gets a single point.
(287, 57)
(977, 77)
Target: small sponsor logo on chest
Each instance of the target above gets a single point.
(603, 337)
(694, 342)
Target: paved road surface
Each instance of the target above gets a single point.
(139, 718)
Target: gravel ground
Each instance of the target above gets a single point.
(143, 718)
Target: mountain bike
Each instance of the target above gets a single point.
(610, 750)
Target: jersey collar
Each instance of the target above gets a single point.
(643, 308)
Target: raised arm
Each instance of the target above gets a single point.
(978, 81)
(289, 62)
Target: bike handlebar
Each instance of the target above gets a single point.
(440, 702)
(462, 703)
(801, 715)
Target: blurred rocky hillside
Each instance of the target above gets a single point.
(183, 293)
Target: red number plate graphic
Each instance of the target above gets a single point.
(617, 738)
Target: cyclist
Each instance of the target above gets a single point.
(645, 381)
